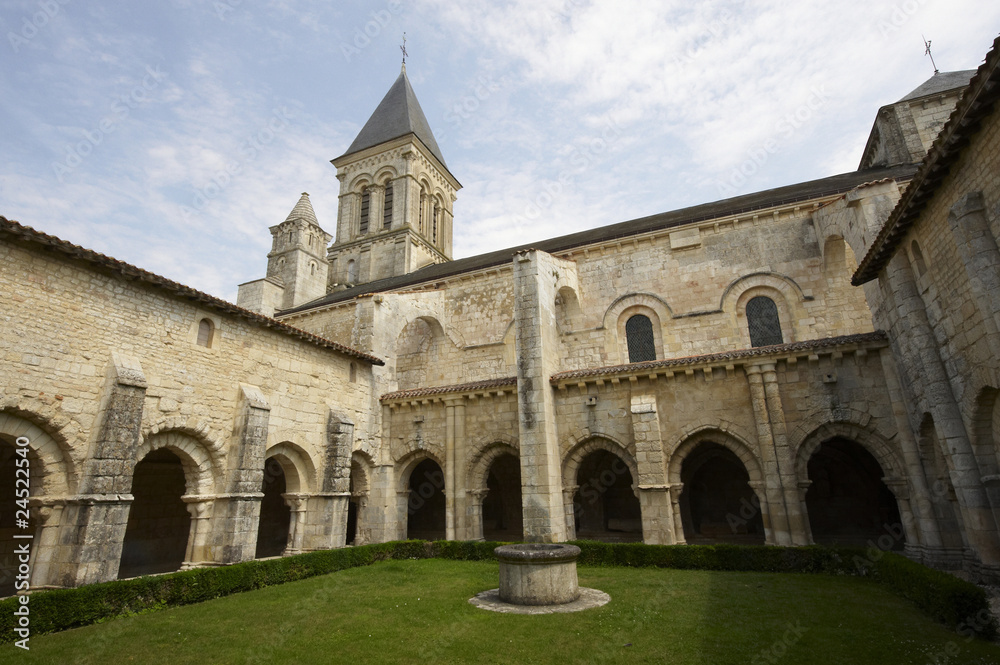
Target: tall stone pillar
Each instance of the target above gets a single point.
(925, 532)
(922, 366)
(776, 526)
(96, 519)
(537, 348)
(783, 456)
(654, 495)
(978, 248)
(238, 509)
(454, 472)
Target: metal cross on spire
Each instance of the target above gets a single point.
(403, 49)
(927, 51)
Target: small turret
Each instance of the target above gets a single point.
(296, 265)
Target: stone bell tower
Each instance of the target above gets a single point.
(296, 267)
(396, 196)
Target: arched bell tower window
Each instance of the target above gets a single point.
(422, 220)
(387, 207)
(434, 223)
(366, 200)
(352, 272)
(763, 322)
(639, 335)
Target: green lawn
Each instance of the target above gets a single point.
(417, 611)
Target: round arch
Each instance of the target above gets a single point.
(727, 440)
(871, 441)
(58, 473)
(200, 467)
(297, 464)
(479, 466)
(575, 457)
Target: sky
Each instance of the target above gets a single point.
(172, 134)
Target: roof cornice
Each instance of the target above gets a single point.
(17, 232)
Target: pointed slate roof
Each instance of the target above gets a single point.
(940, 82)
(398, 114)
(303, 210)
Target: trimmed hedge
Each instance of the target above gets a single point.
(958, 604)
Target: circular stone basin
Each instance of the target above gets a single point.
(538, 574)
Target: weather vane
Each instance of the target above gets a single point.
(403, 49)
(927, 51)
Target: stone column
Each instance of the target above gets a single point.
(760, 491)
(900, 489)
(476, 499)
(675, 490)
(235, 537)
(450, 509)
(921, 365)
(297, 503)
(783, 456)
(537, 347)
(95, 521)
(804, 484)
(775, 518)
(926, 531)
(200, 508)
(978, 248)
(569, 510)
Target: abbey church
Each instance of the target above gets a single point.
(817, 363)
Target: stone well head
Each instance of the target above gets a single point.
(538, 574)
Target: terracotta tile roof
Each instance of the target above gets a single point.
(776, 350)
(16, 232)
(456, 388)
(977, 102)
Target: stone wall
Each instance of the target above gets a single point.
(99, 370)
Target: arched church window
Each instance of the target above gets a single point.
(352, 272)
(918, 258)
(422, 222)
(763, 322)
(387, 207)
(639, 335)
(366, 200)
(434, 223)
(205, 328)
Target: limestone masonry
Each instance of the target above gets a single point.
(815, 363)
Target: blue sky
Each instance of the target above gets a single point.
(172, 134)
